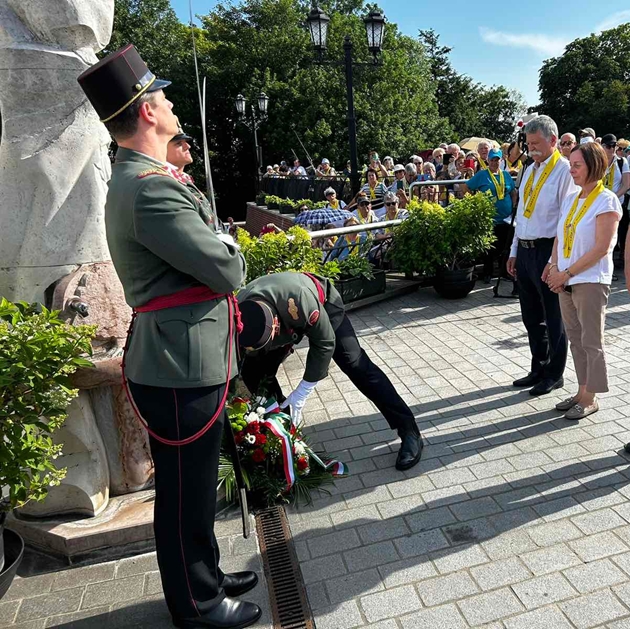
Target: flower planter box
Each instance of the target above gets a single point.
(12, 554)
(287, 209)
(357, 288)
(455, 284)
(272, 205)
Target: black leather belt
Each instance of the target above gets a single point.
(532, 244)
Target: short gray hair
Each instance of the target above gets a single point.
(329, 190)
(411, 169)
(544, 125)
(389, 197)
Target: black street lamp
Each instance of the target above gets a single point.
(254, 123)
(318, 23)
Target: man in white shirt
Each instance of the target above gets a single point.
(567, 142)
(617, 177)
(545, 185)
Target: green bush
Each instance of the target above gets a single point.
(286, 251)
(433, 238)
(356, 266)
(38, 352)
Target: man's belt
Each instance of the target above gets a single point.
(532, 244)
(186, 297)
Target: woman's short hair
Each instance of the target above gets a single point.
(390, 197)
(595, 159)
(371, 170)
(329, 190)
(438, 152)
(411, 169)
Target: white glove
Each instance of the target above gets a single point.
(228, 240)
(297, 400)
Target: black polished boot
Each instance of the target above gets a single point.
(410, 450)
(238, 583)
(228, 614)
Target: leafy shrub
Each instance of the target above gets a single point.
(286, 251)
(356, 266)
(38, 352)
(434, 238)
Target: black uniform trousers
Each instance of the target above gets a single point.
(353, 361)
(540, 309)
(185, 494)
(504, 234)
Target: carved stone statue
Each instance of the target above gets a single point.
(54, 165)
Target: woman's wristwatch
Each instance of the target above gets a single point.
(569, 273)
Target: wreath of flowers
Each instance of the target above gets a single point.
(278, 463)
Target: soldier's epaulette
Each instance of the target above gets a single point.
(153, 171)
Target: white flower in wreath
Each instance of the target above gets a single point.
(260, 411)
(306, 472)
(299, 448)
(251, 439)
(251, 417)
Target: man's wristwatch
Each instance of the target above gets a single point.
(569, 273)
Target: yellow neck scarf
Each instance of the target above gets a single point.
(572, 220)
(499, 186)
(531, 196)
(334, 204)
(482, 164)
(609, 177)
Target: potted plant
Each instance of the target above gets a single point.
(287, 206)
(284, 251)
(273, 202)
(358, 279)
(38, 352)
(445, 242)
(261, 199)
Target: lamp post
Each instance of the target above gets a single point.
(318, 23)
(254, 123)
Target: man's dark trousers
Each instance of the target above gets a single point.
(185, 494)
(354, 362)
(540, 308)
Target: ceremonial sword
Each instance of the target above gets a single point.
(229, 433)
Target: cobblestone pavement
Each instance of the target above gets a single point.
(515, 518)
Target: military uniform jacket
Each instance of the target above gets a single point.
(294, 297)
(160, 244)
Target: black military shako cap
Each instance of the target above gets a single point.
(257, 324)
(118, 80)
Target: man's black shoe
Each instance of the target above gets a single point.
(528, 381)
(546, 385)
(410, 450)
(228, 614)
(238, 583)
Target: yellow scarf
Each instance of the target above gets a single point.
(362, 220)
(482, 164)
(571, 221)
(373, 193)
(517, 165)
(499, 186)
(531, 197)
(334, 204)
(609, 177)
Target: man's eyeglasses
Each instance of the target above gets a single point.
(611, 146)
(364, 203)
(567, 143)
(390, 203)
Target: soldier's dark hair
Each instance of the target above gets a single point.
(125, 124)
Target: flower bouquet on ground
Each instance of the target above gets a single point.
(278, 463)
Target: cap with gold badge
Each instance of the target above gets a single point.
(117, 81)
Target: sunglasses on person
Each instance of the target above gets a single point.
(364, 203)
(390, 203)
(567, 143)
(611, 146)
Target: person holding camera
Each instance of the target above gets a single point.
(581, 272)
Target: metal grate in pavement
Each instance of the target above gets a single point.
(289, 604)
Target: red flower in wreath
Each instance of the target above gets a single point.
(238, 438)
(302, 463)
(261, 440)
(253, 428)
(258, 456)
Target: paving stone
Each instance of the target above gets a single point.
(77, 577)
(500, 573)
(449, 588)
(385, 529)
(390, 603)
(543, 618)
(598, 521)
(354, 517)
(550, 559)
(460, 558)
(99, 617)
(136, 565)
(594, 609)
(420, 543)
(444, 617)
(323, 568)
(8, 610)
(428, 519)
(370, 556)
(355, 584)
(31, 586)
(401, 506)
(407, 571)
(317, 596)
(554, 532)
(152, 583)
(540, 591)
(50, 604)
(112, 592)
(490, 606)
(597, 546)
(333, 543)
(475, 508)
(593, 576)
(343, 616)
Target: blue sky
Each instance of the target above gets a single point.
(501, 43)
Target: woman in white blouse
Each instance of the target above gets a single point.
(581, 272)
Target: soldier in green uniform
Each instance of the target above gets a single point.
(278, 311)
(179, 277)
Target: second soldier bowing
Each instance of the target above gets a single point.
(277, 311)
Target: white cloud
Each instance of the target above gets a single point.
(613, 20)
(551, 46)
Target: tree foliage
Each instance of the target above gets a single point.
(588, 84)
